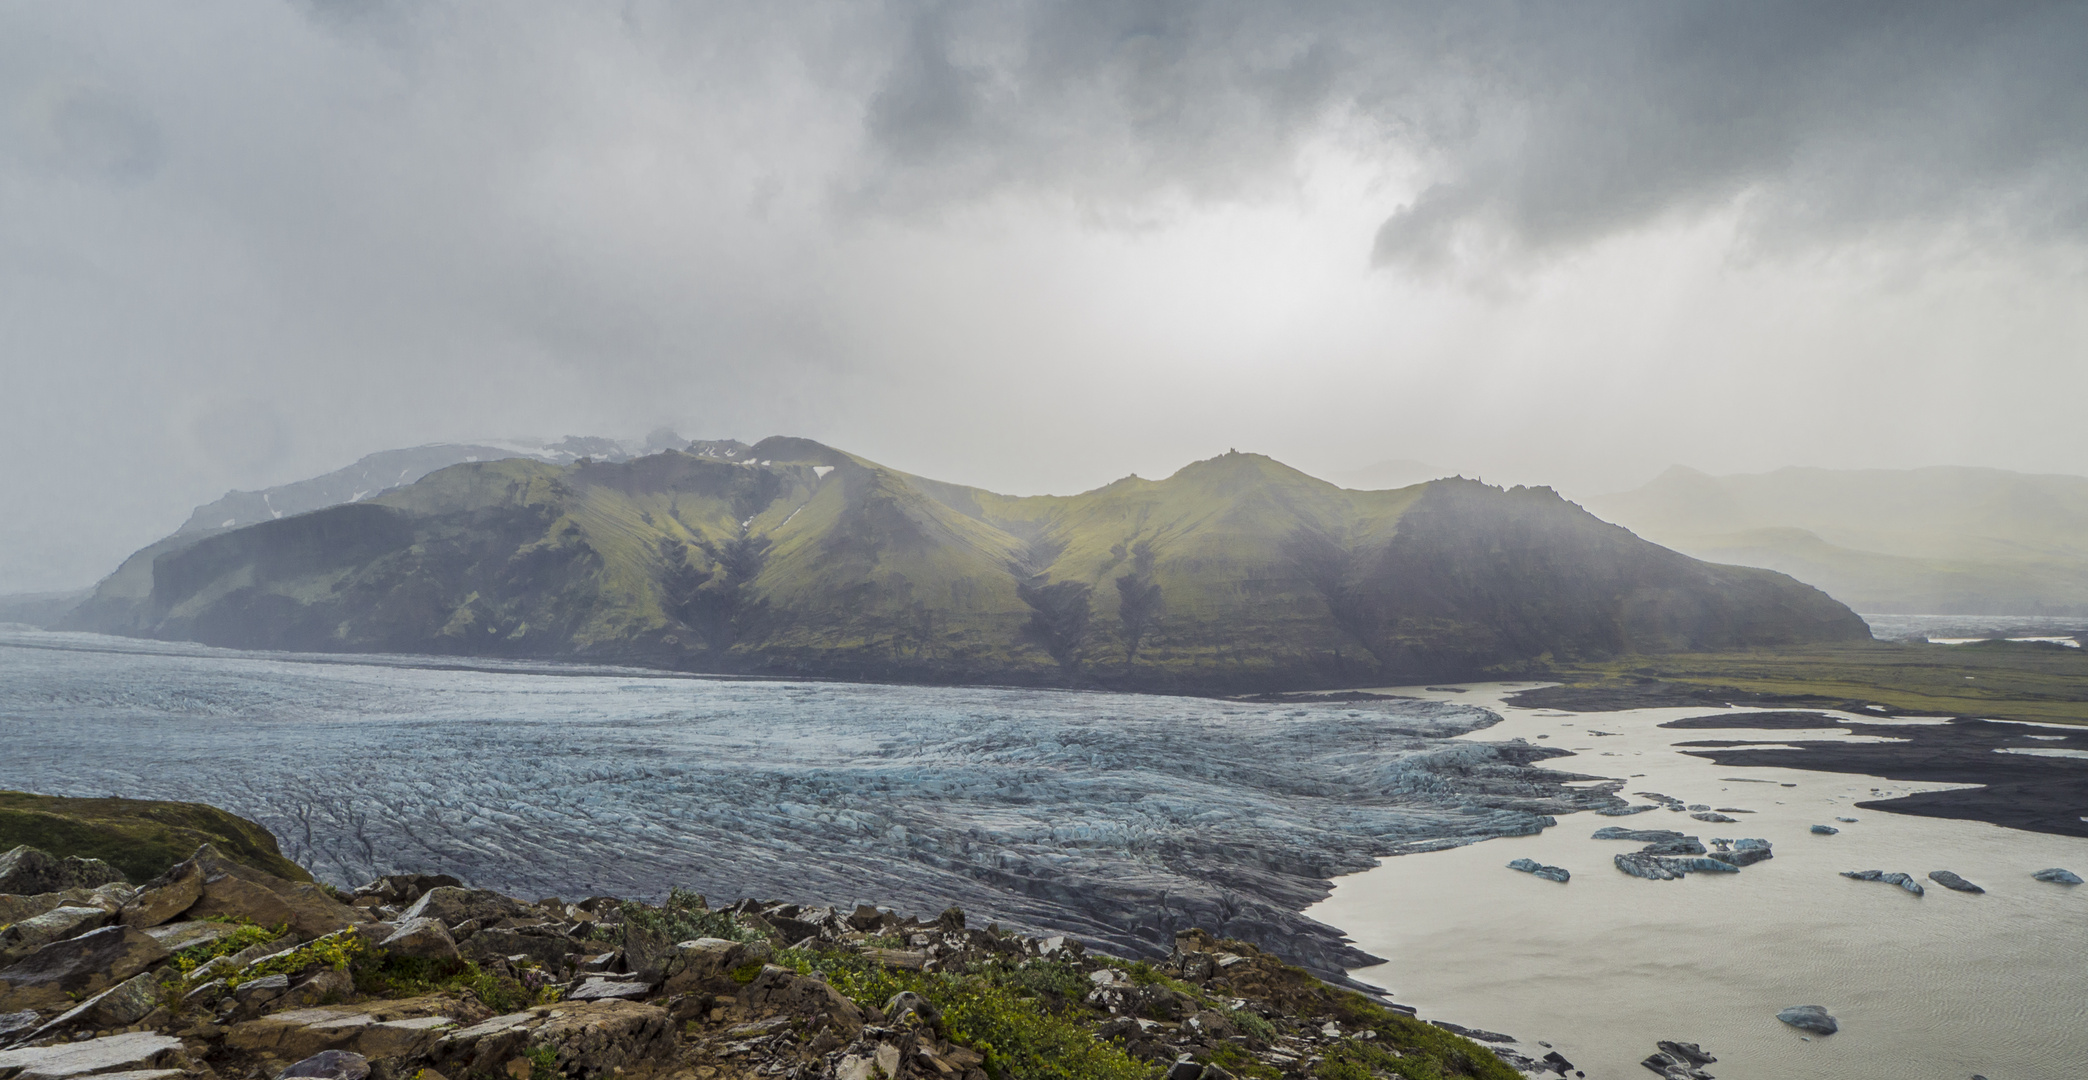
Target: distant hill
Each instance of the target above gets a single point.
(1236, 572)
(112, 601)
(1947, 541)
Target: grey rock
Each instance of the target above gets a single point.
(708, 962)
(1669, 867)
(1625, 811)
(2058, 876)
(905, 1003)
(206, 995)
(1949, 880)
(1642, 836)
(1682, 1051)
(1846, 820)
(422, 937)
(1745, 852)
(1811, 1018)
(541, 945)
(451, 905)
(1904, 881)
(188, 934)
(16, 1024)
(57, 924)
(1714, 816)
(14, 908)
(260, 991)
(235, 889)
(329, 1065)
(1699, 806)
(1825, 830)
(25, 871)
(603, 989)
(66, 970)
(1669, 1067)
(121, 1005)
(1549, 873)
(115, 1053)
(399, 890)
(587, 1040)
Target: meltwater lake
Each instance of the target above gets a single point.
(1121, 818)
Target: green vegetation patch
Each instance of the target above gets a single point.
(140, 837)
(1404, 1046)
(1997, 680)
(337, 951)
(683, 916)
(1017, 1016)
(415, 976)
(247, 936)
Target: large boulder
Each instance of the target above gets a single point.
(425, 938)
(210, 885)
(25, 937)
(1744, 852)
(131, 1054)
(452, 905)
(780, 990)
(15, 1025)
(543, 946)
(66, 971)
(1811, 1018)
(121, 1005)
(381, 1029)
(190, 933)
(589, 1040)
(25, 871)
(329, 1065)
(164, 898)
(1952, 881)
(15, 908)
(399, 890)
(707, 964)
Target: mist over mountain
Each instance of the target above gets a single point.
(1946, 541)
(794, 557)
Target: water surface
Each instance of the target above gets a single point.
(1943, 985)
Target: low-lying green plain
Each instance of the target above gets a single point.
(1997, 680)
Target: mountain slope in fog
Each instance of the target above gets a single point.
(1235, 572)
(1953, 541)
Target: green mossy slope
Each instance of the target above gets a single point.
(140, 837)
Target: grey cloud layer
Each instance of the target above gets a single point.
(244, 241)
(1539, 124)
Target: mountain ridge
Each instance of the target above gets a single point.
(1236, 572)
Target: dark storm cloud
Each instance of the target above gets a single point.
(1534, 125)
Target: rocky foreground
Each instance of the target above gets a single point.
(216, 969)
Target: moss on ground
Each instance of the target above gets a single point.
(1996, 680)
(1031, 1020)
(414, 976)
(140, 837)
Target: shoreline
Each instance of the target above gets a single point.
(1957, 982)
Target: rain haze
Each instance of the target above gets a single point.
(1030, 247)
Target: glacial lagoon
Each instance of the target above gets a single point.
(1942, 985)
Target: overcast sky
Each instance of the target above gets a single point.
(1033, 247)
